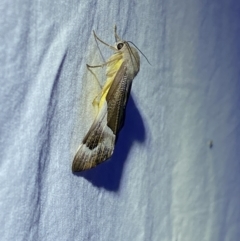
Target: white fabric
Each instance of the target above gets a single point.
(165, 181)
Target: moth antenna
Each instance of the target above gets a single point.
(129, 49)
(140, 51)
(117, 38)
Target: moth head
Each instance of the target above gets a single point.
(130, 55)
(119, 45)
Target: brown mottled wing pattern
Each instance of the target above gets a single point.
(96, 147)
(117, 98)
(98, 144)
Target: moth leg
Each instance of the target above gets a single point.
(100, 65)
(89, 68)
(96, 100)
(97, 38)
(97, 66)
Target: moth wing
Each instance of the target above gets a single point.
(117, 98)
(98, 144)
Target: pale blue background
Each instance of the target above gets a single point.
(164, 182)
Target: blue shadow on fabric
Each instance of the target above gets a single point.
(108, 174)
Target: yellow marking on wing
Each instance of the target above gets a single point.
(115, 62)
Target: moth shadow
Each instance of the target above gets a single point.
(108, 174)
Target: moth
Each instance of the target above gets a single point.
(121, 68)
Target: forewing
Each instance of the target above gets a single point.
(117, 98)
(97, 146)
